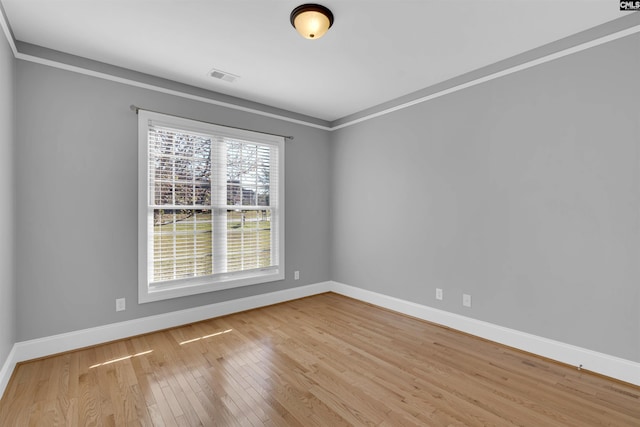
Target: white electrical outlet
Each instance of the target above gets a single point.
(121, 304)
(466, 300)
(439, 294)
(296, 275)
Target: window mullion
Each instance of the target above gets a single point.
(274, 201)
(174, 228)
(219, 200)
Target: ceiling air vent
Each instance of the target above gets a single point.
(223, 75)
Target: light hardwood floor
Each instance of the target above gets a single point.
(325, 360)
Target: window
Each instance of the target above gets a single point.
(210, 212)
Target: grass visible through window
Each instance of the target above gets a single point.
(184, 239)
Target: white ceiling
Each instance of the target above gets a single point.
(376, 51)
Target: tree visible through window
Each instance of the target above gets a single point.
(212, 212)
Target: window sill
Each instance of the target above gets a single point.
(177, 289)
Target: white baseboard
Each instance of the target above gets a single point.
(611, 366)
(7, 369)
(41, 347)
(604, 364)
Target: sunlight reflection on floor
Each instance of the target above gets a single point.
(119, 359)
(206, 336)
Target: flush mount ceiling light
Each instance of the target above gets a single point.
(311, 20)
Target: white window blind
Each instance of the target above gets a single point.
(210, 214)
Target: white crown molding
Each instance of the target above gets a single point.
(7, 31)
(105, 76)
(510, 70)
(498, 74)
(156, 88)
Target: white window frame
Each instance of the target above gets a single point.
(147, 291)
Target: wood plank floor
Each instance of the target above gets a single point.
(325, 360)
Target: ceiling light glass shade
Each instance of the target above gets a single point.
(311, 20)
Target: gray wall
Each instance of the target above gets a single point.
(76, 180)
(7, 196)
(522, 191)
